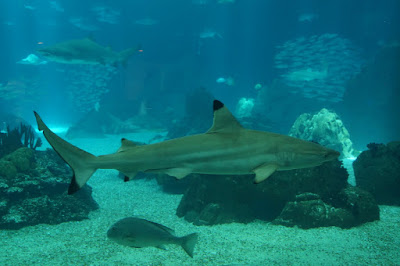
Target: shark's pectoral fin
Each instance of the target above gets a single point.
(179, 173)
(264, 171)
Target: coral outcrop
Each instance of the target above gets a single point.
(33, 186)
(325, 128)
(244, 108)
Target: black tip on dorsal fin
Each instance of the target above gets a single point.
(217, 105)
(224, 121)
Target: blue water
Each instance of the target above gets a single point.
(267, 61)
(190, 44)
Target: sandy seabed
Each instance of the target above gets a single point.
(256, 243)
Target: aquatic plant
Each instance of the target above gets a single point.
(29, 138)
(13, 139)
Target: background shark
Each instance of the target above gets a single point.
(226, 148)
(85, 51)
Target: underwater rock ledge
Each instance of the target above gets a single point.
(377, 170)
(308, 198)
(33, 190)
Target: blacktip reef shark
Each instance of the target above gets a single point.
(85, 51)
(225, 149)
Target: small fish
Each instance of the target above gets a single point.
(258, 86)
(210, 34)
(30, 7)
(139, 233)
(307, 17)
(146, 22)
(227, 81)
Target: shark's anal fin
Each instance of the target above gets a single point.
(129, 176)
(264, 171)
(179, 173)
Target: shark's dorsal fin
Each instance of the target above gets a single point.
(224, 121)
(127, 144)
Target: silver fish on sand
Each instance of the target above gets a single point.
(139, 233)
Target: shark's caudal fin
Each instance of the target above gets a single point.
(188, 243)
(81, 162)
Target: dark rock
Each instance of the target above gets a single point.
(360, 203)
(314, 196)
(354, 207)
(173, 185)
(232, 195)
(39, 194)
(310, 213)
(377, 170)
(211, 214)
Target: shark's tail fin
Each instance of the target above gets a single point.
(188, 243)
(81, 162)
(125, 54)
